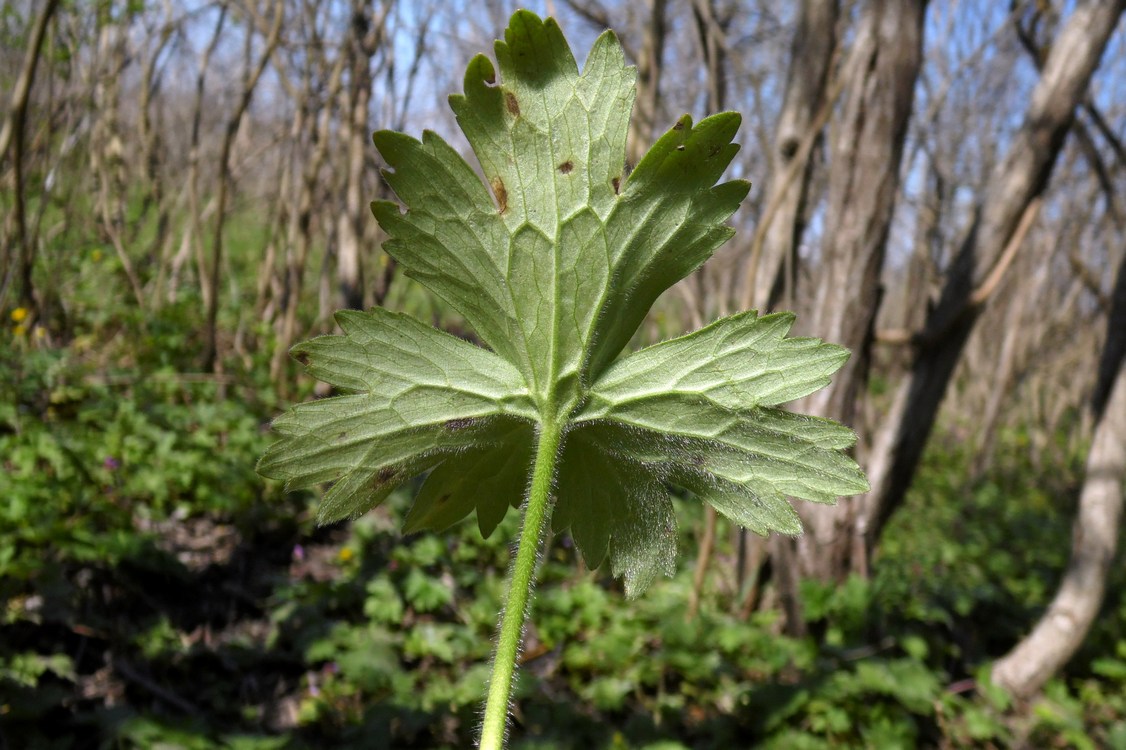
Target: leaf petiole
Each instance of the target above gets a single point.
(536, 514)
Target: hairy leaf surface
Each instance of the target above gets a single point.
(554, 258)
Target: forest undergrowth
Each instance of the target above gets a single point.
(157, 593)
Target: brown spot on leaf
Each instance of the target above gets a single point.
(511, 104)
(715, 150)
(501, 193)
(459, 424)
(617, 183)
(302, 357)
(679, 125)
(697, 460)
(385, 475)
(443, 499)
(566, 167)
(341, 436)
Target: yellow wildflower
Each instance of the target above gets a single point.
(19, 330)
(19, 315)
(346, 554)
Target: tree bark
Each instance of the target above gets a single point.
(107, 149)
(299, 225)
(1018, 180)
(250, 83)
(649, 63)
(11, 137)
(365, 35)
(1060, 632)
(811, 54)
(21, 92)
(1114, 350)
(866, 149)
(1001, 384)
(805, 110)
(194, 228)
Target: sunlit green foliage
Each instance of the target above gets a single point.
(386, 640)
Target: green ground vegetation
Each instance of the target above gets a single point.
(155, 592)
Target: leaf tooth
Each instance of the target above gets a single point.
(534, 50)
(479, 74)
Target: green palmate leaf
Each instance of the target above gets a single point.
(554, 257)
(422, 396)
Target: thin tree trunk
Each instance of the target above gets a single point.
(267, 294)
(152, 146)
(194, 229)
(11, 137)
(866, 149)
(1024, 330)
(299, 238)
(1010, 196)
(1061, 630)
(784, 565)
(366, 34)
(649, 65)
(999, 387)
(21, 92)
(250, 83)
(1114, 350)
(811, 54)
(707, 545)
(107, 147)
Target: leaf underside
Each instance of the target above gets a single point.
(555, 259)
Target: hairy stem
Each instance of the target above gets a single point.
(519, 588)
